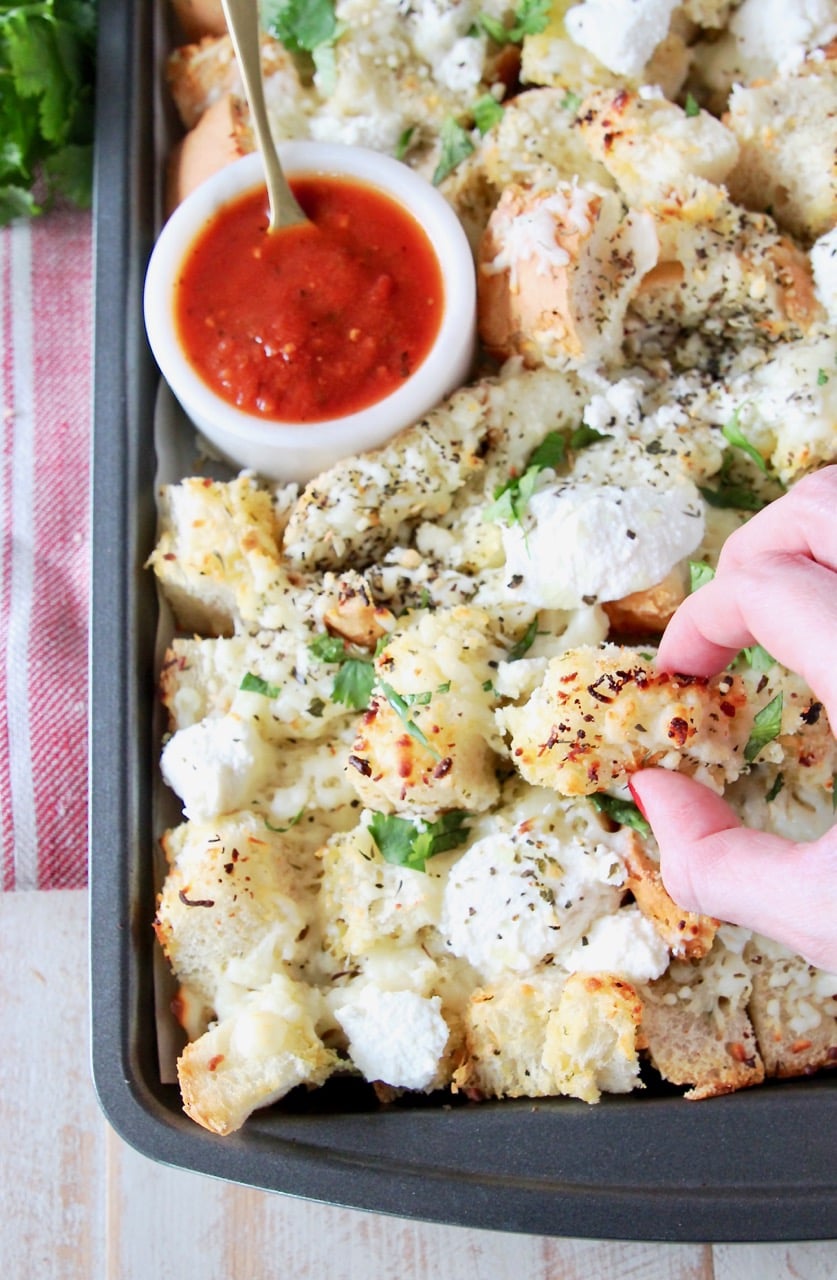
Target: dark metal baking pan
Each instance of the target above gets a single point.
(757, 1165)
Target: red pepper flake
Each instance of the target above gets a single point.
(363, 767)
(728, 709)
(678, 730)
(443, 768)
(214, 1063)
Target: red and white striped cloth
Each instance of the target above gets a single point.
(46, 331)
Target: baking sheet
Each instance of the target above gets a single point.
(756, 1165)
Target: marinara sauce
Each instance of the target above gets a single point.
(315, 321)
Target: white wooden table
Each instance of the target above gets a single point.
(78, 1204)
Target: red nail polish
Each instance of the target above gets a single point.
(636, 799)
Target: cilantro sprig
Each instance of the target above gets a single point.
(47, 68)
(730, 492)
(251, 683)
(455, 145)
(406, 843)
(401, 704)
(306, 27)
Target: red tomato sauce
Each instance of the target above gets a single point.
(311, 322)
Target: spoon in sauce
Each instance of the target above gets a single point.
(243, 23)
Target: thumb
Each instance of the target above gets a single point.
(713, 865)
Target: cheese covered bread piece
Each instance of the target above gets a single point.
(599, 714)
(547, 1035)
(233, 886)
(695, 1022)
(556, 271)
(217, 558)
(786, 130)
(651, 147)
(428, 742)
(794, 1010)
(253, 1057)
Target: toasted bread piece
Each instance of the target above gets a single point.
(199, 18)
(549, 1035)
(786, 130)
(686, 934)
(651, 147)
(648, 612)
(217, 558)
(599, 714)
(556, 272)
(695, 1025)
(232, 887)
(793, 1007)
(220, 136)
(253, 1057)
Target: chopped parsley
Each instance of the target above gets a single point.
(691, 108)
(252, 683)
(281, 830)
(757, 657)
(524, 644)
(401, 707)
(699, 574)
(733, 433)
(571, 101)
(356, 675)
(486, 112)
(409, 844)
(766, 726)
(530, 19)
(512, 498)
(623, 812)
(822, 377)
(404, 142)
(306, 27)
(47, 73)
(778, 783)
(455, 146)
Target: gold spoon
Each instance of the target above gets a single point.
(243, 24)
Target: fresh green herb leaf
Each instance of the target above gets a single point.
(251, 683)
(767, 725)
(486, 112)
(699, 574)
(692, 109)
(301, 25)
(530, 18)
(571, 102)
(455, 146)
(401, 708)
(822, 377)
(316, 707)
(281, 830)
(733, 433)
(354, 682)
(409, 844)
(733, 496)
(551, 452)
(778, 783)
(524, 644)
(488, 686)
(403, 145)
(47, 72)
(623, 812)
(328, 648)
(757, 657)
(583, 436)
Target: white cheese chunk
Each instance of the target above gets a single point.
(775, 32)
(515, 898)
(397, 1037)
(578, 544)
(824, 266)
(626, 944)
(622, 34)
(216, 766)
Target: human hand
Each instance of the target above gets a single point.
(776, 585)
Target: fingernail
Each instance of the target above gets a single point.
(636, 799)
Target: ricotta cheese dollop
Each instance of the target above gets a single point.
(579, 544)
(397, 1037)
(216, 766)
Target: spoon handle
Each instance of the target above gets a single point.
(243, 23)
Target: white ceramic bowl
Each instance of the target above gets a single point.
(288, 451)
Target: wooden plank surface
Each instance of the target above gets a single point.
(78, 1204)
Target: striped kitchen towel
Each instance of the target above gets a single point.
(46, 327)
